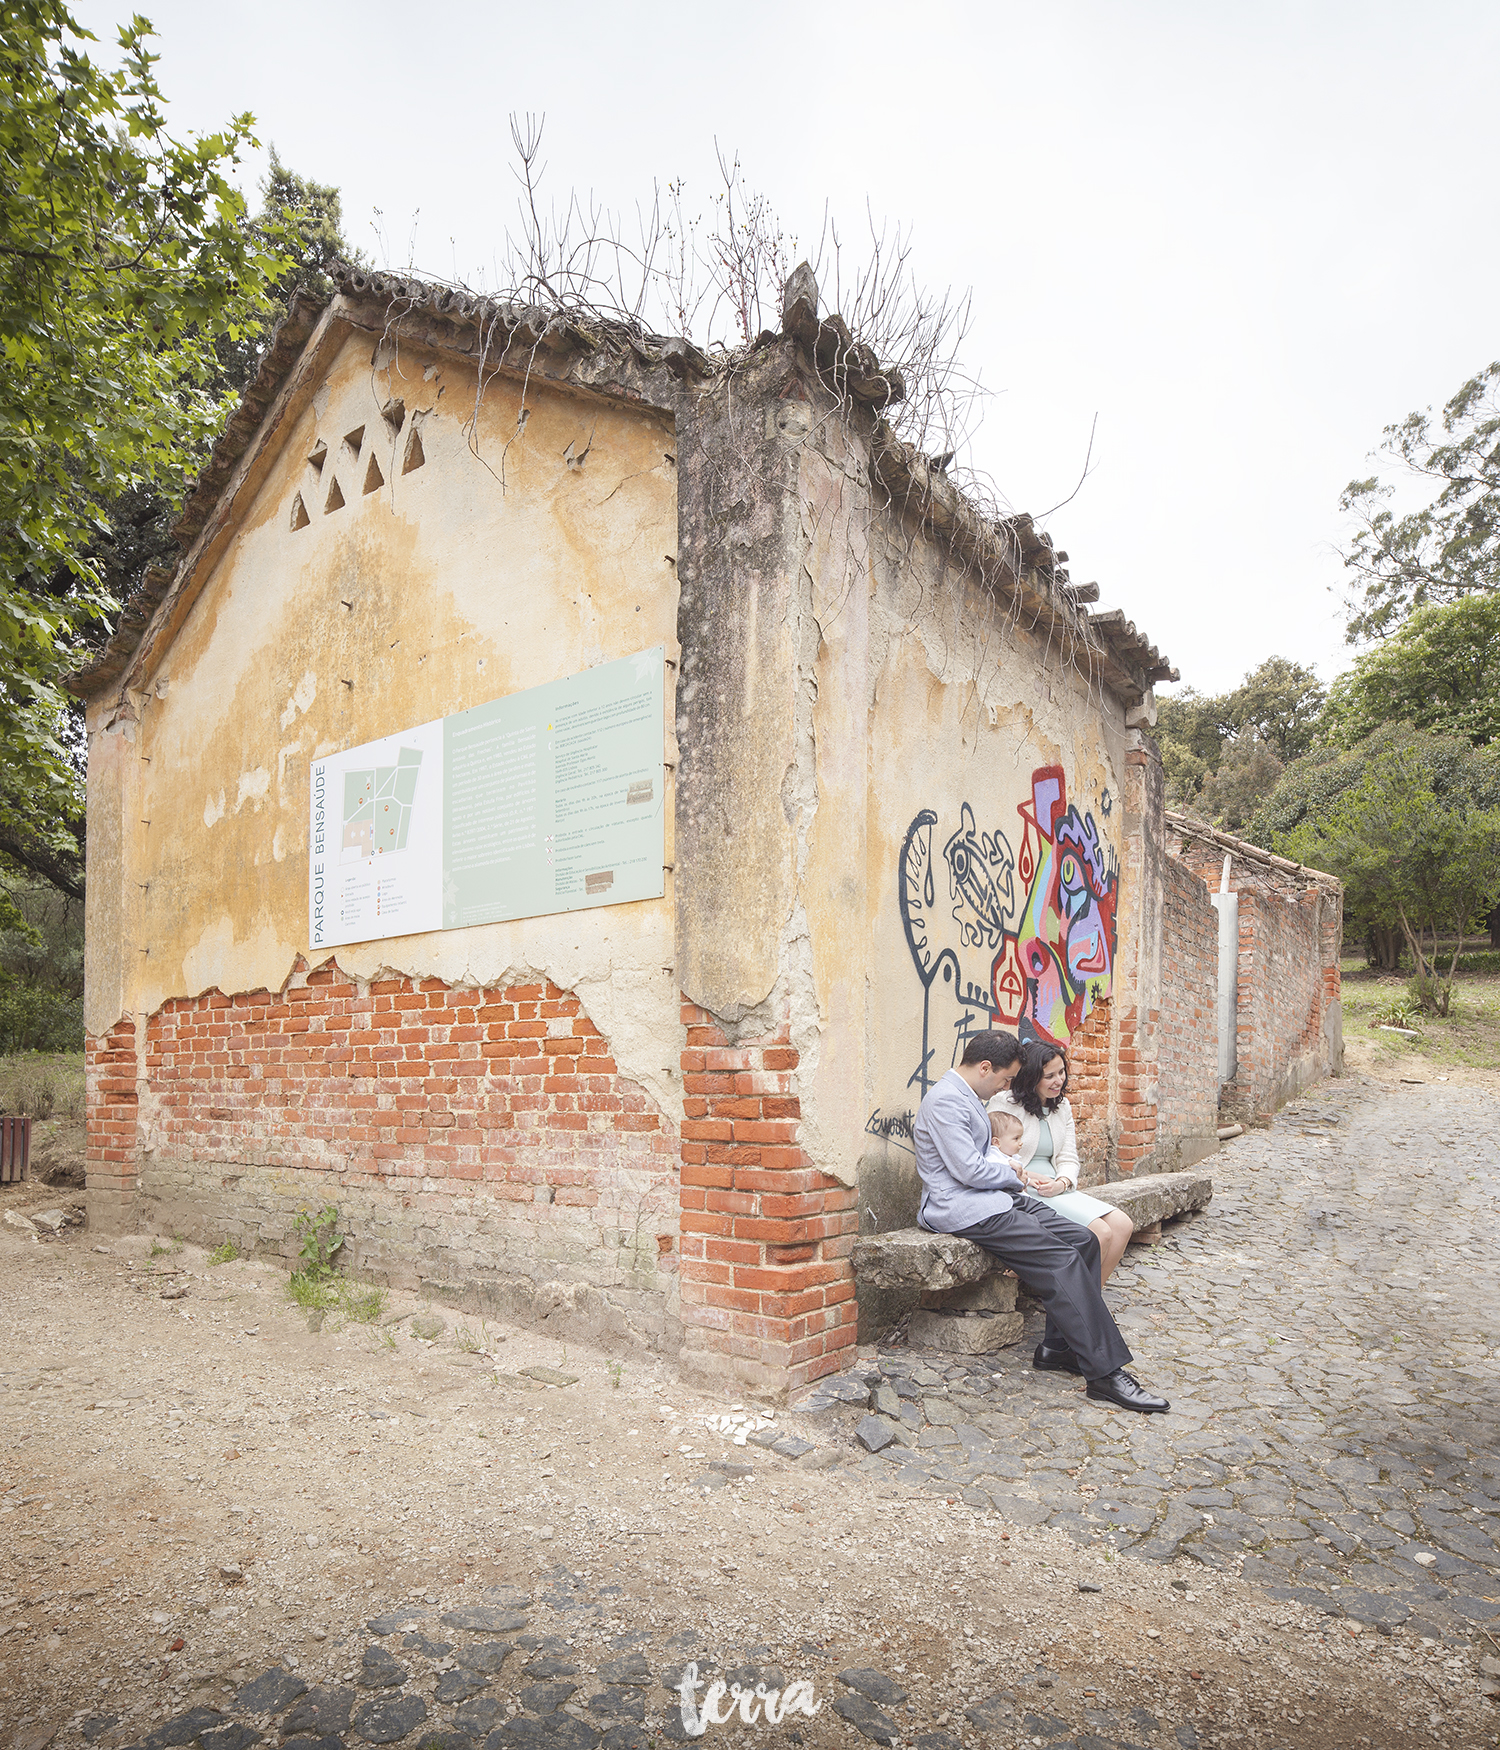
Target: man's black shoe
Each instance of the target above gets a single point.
(1124, 1389)
(1055, 1360)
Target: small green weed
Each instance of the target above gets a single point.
(312, 1293)
(467, 1341)
(224, 1253)
(315, 1286)
(318, 1240)
(359, 1304)
(614, 1369)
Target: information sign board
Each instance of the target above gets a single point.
(546, 801)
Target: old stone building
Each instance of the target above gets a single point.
(904, 789)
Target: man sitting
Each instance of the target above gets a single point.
(970, 1189)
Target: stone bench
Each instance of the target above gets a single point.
(960, 1300)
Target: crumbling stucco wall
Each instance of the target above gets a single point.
(410, 572)
(995, 774)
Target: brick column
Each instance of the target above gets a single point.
(767, 1284)
(1088, 1092)
(111, 1148)
(1139, 993)
(1137, 1083)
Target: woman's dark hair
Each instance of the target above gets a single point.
(1035, 1056)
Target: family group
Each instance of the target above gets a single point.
(997, 1150)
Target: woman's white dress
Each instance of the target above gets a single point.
(1049, 1147)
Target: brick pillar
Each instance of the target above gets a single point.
(767, 1283)
(1088, 1092)
(1136, 1043)
(1137, 1083)
(112, 1158)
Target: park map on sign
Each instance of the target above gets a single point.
(377, 807)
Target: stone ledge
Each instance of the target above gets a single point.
(1156, 1197)
(910, 1257)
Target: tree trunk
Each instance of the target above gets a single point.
(1424, 979)
(1383, 948)
(1494, 923)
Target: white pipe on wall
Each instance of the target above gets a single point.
(1227, 905)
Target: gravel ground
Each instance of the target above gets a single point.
(218, 1525)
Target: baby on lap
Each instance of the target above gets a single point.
(1005, 1135)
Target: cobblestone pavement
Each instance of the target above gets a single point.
(1329, 1333)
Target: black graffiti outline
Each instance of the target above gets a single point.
(926, 896)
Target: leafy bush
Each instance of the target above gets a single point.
(1487, 960)
(318, 1241)
(35, 1018)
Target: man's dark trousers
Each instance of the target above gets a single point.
(1058, 1260)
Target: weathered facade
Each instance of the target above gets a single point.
(910, 793)
(1288, 1014)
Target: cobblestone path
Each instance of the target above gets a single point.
(1329, 1333)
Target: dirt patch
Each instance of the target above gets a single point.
(57, 1151)
(195, 1486)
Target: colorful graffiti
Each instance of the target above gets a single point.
(980, 962)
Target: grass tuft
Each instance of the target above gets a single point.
(358, 1302)
(42, 1085)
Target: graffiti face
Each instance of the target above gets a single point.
(1085, 899)
(978, 966)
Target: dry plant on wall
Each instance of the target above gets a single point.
(717, 280)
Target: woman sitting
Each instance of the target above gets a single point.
(1048, 1153)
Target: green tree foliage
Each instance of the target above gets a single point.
(41, 967)
(1312, 790)
(1440, 670)
(1412, 858)
(1280, 703)
(1448, 548)
(123, 256)
(1247, 774)
(138, 299)
(1223, 755)
(304, 221)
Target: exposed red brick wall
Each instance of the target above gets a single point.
(1136, 1136)
(1285, 989)
(1088, 1093)
(109, 1068)
(1187, 1051)
(412, 1097)
(1290, 936)
(513, 1089)
(767, 1283)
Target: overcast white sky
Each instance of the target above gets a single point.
(1246, 237)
